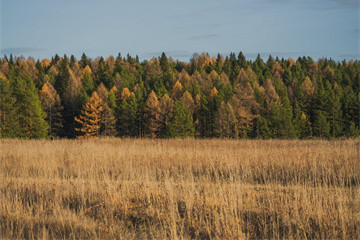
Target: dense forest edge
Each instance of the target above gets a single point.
(218, 97)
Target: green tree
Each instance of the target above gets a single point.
(9, 125)
(31, 116)
(321, 126)
(127, 116)
(182, 123)
(87, 81)
(261, 128)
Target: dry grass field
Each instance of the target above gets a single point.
(180, 189)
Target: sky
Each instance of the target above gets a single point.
(284, 28)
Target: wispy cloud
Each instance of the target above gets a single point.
(204, 36)
(21, 50)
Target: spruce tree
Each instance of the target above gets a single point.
(261, 128)
(31, 116)
(182, 123)
(321, 126)
(127, 116)
(9, 125)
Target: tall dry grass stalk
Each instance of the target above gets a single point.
(180, 189)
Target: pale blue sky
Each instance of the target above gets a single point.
(316, 28)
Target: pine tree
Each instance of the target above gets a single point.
(90, 118)
(182, 123)
(52, 107)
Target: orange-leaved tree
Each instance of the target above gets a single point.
(90, 118)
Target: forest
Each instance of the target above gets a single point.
(207, 97)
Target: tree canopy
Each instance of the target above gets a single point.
(221, 96)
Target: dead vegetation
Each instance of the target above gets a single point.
(180, 189)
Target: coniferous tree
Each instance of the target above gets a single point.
(90, 118)
(301, 123)
(226, 122)
(261, 128)
(9, 125)
(127, 116)
(152, 115)
(61, 80)
(166, 106)
(87, 81)
(107, 122)
(74, 98)
(31, 116)
(52, 107)
(321, 126)
(182, 123)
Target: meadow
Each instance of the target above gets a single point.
(180, 189)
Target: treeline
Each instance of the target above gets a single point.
(207, 97)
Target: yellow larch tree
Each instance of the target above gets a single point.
(52, 106)
(177, 90)
(90, 118)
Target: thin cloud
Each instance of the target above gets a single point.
(204, 36)
(21, 50)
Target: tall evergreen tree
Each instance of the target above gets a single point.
(182, 123)
(9, 125)
(31, 116)
(127, 116)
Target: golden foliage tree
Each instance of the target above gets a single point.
(226, 121)
(90, 118)
(152, 115)
(107, 122)
(214, 92)
(189, 101)
(125, 93)
(102, 92)
(184, 78)
(177, 90)
(52, 107)
(245, 106)
(271, 97)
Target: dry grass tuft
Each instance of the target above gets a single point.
(180, 189)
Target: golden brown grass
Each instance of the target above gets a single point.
(180, 189)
